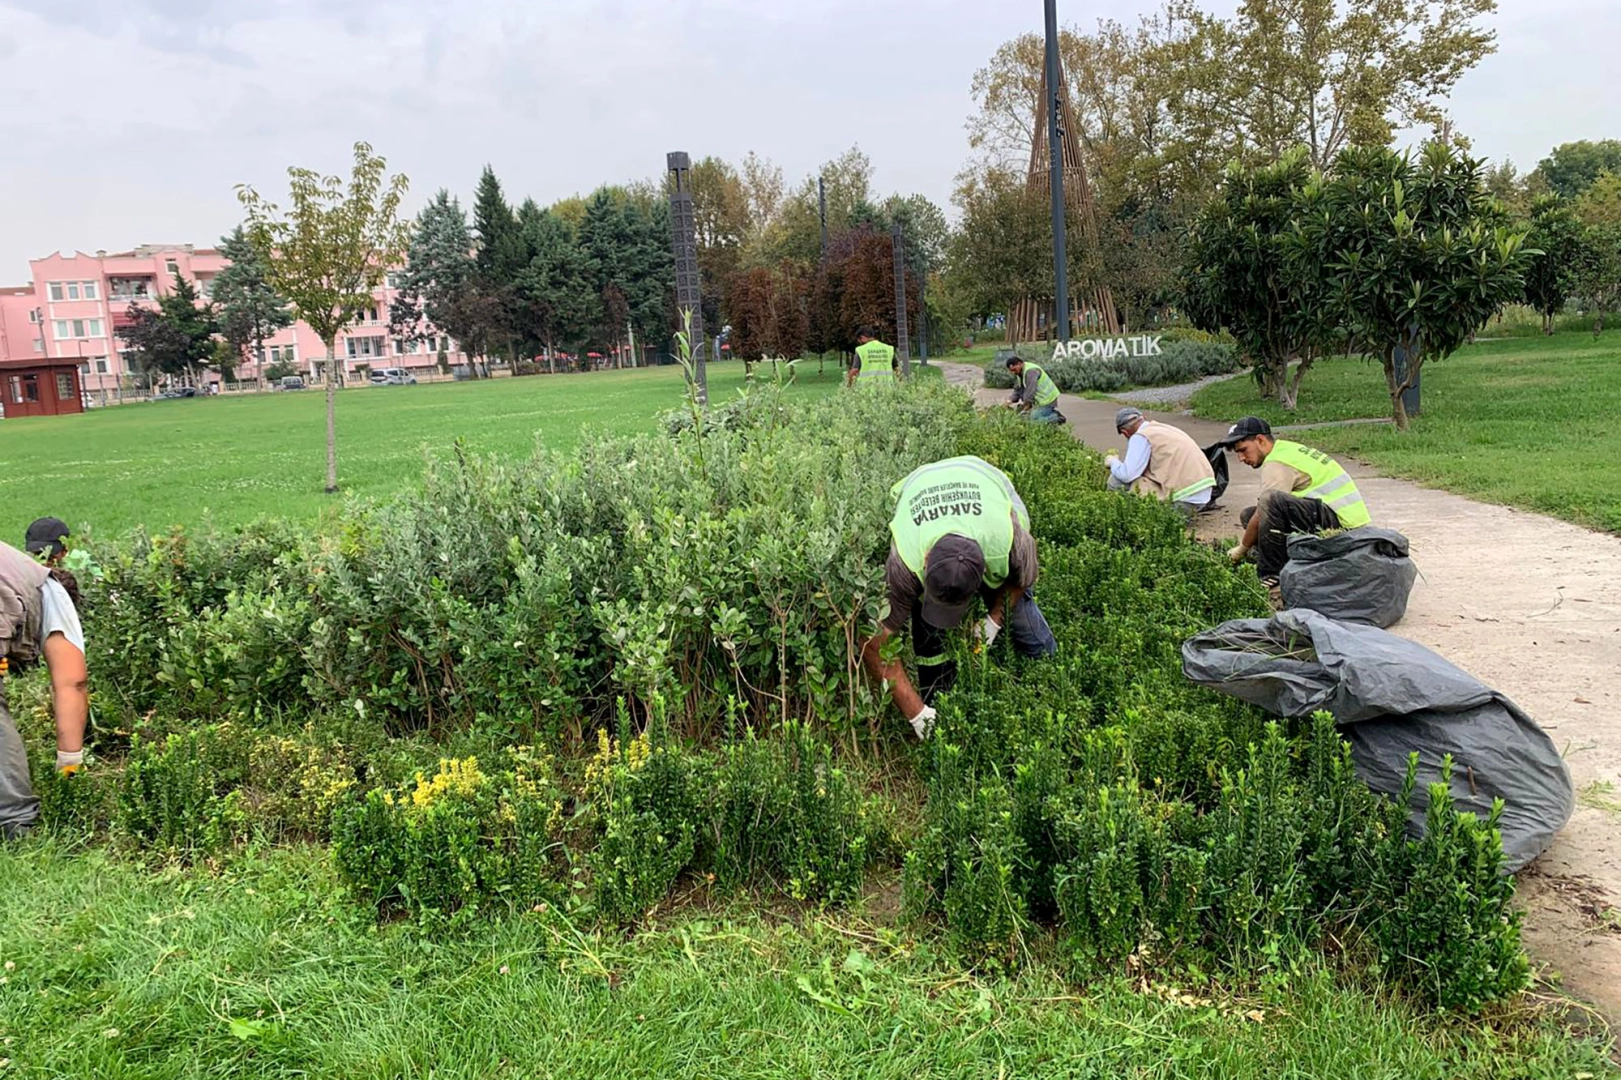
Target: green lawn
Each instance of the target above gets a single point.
(262, 970)
(232, 459)
(1528, 422)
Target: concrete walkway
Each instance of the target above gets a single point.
(1531, 606)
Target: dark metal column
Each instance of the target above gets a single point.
(683, 240)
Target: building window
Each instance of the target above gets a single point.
(205, 288)
(30, 388)
(17, 389)
(101, 365)
(444, 344)
(55, 288)
(33, 315)
(61, 326)
(365, 347)
(283, 354)
(73, 290)
(89, 288)
(64, 386)
(173, 268)
(130, 288)
(78, 328)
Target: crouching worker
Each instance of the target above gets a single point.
(38, 620)
(1034, 392)
(959, 531)
(1302, 491)
(1161, 460)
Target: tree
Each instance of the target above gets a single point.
(249, 310)
(1599, 281)
(1570, 169)
(555, 289)
(1420, 256)
(720, 217)
(329, 253)
(1326, 74)
(1002, 250)
(177, 337)
(1250, 271)
(499, 258)
(625, 249)
(1556, 243)
(855, 287)
(437, 280)
(796, 231)
(770, 312)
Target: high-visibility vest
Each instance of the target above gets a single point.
(877, 362)
(1329, 481)
(966, 496)
(1046, 389)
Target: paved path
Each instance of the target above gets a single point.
(1530, 605)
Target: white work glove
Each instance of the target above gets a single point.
(1238, 554)
(1110, 458)
(69, 761)
(988, 631)
(923, 722)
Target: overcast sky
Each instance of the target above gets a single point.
(129, 121)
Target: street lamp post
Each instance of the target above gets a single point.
(1055, 144)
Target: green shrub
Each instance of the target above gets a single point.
(457, 843)
(648, 803)
(1179, 360)
(1443, 913)
(785, 814)
(182, 793)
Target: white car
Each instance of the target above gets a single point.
(392, 376)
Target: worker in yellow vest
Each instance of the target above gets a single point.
(959, 531)
(1161, 460)
(1302, 491)
(874, 363)
(1034, 392)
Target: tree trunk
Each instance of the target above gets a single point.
(331, 417)
(1289, 390)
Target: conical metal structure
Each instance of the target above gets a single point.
(1092, 306)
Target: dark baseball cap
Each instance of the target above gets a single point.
(953, 571)
(1247, 428)
(45, 535)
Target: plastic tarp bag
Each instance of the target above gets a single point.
(1217, 456)
(1391, 697)
(1357, 575)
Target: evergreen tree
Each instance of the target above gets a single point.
(249, 310)
(555, 290)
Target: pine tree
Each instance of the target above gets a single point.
(248, 308)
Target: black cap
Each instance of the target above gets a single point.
(953, 571)
(1247, 428)
(1014, 359)
(45, 536)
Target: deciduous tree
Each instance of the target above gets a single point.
(328, 252)
(1557, 248)
(1570, 169)
(175, 338)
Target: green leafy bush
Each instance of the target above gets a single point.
(183, 793)
(459, 842)
(648, 802)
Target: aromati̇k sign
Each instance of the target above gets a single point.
(1107, 348)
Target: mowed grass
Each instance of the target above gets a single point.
(1527, 422)
(235, 458)
(262, 970)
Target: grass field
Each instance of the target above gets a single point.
(263, 970)
(1528, 422)
(232, 459)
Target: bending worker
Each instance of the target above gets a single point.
(38, 619)
(1162, 460)
(959, 530)
(1034, 392)
(1302, 491)
(874, 363)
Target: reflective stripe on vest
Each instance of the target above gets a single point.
(877, 361)
(966, 496)
(1193, 489)
(1046, 389)
(1329, 481)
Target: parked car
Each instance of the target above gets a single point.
(175, 392)
(292, 382)
(392, 376)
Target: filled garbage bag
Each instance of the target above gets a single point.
(1390, 697)
(1217, 456)
(1357, 575)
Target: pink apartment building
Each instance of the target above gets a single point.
(75, 304)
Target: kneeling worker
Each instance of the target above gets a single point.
(1302, 491)
(959, 530)
(1161, 460)
(38, 619)
(1034, 392)
(874, 363)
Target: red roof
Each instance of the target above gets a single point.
(39, 362)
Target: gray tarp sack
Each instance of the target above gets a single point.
(1390, 697)
(1358, 575)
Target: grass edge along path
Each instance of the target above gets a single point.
(1533, 423)
(263, 970)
